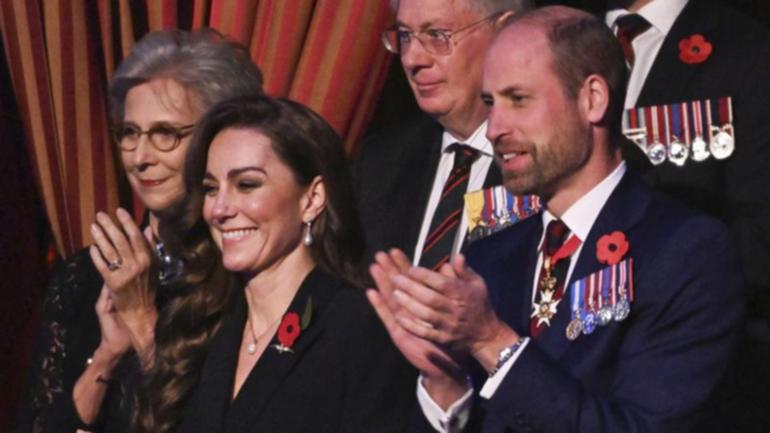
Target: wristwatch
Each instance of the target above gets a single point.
(504, 355)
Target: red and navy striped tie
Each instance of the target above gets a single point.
(446, 219)
(629, 27)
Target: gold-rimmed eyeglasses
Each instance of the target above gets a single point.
(435, 41)
(163, 137)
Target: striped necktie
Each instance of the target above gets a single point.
(629, 27)
(443, 227)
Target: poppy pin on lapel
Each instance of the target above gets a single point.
(694, 49)
(291, 327)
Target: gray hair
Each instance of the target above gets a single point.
(488, 7)
(203, 61)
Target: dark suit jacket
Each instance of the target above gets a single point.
(343, 376)
(735, 190)
(393, 174)
(651, 372)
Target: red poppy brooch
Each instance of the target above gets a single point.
(291, 327)
(611, 248)
(695, 49)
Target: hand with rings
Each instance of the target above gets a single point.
(123, 256)
(114, 265)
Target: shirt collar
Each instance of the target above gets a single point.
(580, 217)
(477, 140)
(661, 14)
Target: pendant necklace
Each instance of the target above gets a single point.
(251, 348)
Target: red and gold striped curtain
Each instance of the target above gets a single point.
(324, 53)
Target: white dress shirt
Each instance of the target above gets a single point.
(661, 15)
(579, 219)
(479, 169)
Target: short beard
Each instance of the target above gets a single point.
(553, 164)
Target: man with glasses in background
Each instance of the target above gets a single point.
(410, 179)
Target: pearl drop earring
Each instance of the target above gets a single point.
(307, 239)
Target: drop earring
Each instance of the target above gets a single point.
(307, 239)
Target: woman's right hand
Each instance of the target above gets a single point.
(123, 256)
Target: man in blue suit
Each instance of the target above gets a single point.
(615, 310)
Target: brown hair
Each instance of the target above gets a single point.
(212, 68)
(310, 148)
(582, 45)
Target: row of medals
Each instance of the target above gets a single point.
(721, 146)
(503, 216)
(587, 323)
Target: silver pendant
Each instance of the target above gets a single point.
(700, 150)
(252, 348)
(657, 152)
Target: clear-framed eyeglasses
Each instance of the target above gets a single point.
(435, 41)
(163, 137)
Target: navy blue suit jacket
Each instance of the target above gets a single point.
(651, 372)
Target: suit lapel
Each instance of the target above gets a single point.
(417, 178)
(510, 288)
(273, 366)
(670, 78)
(215, 387)
(623, 210)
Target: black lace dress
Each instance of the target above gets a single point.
(69, 334)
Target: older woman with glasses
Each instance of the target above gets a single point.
(86, 364)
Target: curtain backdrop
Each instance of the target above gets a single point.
(324, 53)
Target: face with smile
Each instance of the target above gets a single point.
(540, 137)
(156, 176)
(446, 86)
(253, 203)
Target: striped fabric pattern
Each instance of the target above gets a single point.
(49, 46)
(323, 53)
(443, 227)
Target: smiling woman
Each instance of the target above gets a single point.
(269, 206)
(253, 204)
(88, 359)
